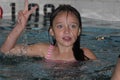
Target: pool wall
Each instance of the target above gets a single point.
(97, 9)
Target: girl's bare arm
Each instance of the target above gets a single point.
(23, 16)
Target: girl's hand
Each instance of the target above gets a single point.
(23, 15)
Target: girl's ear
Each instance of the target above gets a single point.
(79, 32)
(51, 32)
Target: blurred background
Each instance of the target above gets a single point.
(97, 9)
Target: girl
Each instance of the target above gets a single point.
(65, 28)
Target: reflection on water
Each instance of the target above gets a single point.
(104, 40)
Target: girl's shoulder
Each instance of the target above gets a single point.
(42, 46)
(88, 53)
(39, 49)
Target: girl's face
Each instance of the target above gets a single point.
(65, 29)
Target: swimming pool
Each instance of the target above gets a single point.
(103, 37)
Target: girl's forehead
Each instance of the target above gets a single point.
(65, 14)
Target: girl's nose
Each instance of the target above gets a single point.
(67, 29)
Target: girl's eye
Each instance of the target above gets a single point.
(74, 26)
(59, 26)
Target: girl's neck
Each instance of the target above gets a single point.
(63, 49)
(64, 52)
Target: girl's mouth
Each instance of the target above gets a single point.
(67, 38)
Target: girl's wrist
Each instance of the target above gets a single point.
(20, 26)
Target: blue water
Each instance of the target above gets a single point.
(103, 38)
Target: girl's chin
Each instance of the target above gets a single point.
(67, 44)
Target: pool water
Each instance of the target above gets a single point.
(102, 37)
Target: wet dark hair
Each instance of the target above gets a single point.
(78, 53)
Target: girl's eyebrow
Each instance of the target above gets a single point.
(58, 22)
(75, 23)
